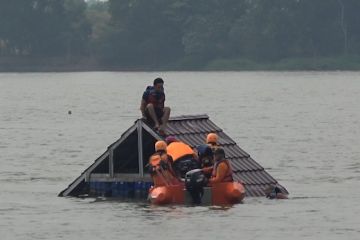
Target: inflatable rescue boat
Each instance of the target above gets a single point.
(193, 190)
(121, 172)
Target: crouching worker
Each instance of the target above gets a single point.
(212, 141)
(183, 156)
(206, 159)
(222, 171)
(153, 106)
(160, 166)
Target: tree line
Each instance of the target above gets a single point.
(187, 34)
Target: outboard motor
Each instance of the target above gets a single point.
(195, 181)
(183, 166)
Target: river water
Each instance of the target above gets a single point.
(303, 127)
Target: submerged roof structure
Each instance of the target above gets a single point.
(126, 159)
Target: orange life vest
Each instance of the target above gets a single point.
(177, 150)
(213, 146)
(157, 98)
(159, 160)
(161, 170)
(228, 176)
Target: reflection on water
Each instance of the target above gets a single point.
(302, 127)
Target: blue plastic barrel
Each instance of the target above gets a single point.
(114, 189)
(124, 189)
(131, 189)
(138, 189)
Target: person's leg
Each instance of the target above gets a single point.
(165, 117)
(151, 110)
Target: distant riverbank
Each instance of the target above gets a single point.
(290, 64)
(31, 64)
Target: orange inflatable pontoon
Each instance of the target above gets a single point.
(226, 193)
(191, 190)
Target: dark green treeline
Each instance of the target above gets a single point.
(182, 34)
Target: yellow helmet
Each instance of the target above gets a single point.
(212, 138)
(160, 146)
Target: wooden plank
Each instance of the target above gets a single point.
(150, 131)
(83, 176)
(116, 145)
(140, 149)
(111, 161)
(124, 136)
(119, 177)
(72, 186)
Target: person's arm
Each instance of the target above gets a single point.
(220, 173)
(207, 170)
(142, 107)
(143, 102)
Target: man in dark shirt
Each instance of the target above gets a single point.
(153, 106)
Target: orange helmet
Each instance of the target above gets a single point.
(212, 138)
(160, 146)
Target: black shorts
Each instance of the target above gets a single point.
(159, 114)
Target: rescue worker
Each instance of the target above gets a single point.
(222, 171)
(205, 156)
(153, 106)
(206, 159)
(212, 141)
(170, 139)
(183, 156)
(160, 166)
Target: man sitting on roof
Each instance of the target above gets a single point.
(184, 158)
(222, 171)
(160, 166)
(152, 105)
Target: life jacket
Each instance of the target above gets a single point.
(179, 150)
(228, 176)
(158, 160)
(205, 155)
(213, 146)
(160, 169)
(154, 97)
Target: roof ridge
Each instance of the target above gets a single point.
(189, 117)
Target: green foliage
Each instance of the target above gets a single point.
(143, 33)
(43, 27)
(288, 64)
(186, 34)
(194, 34)
(321, 63)
(233, 65)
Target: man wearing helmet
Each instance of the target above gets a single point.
(205, 156)
(153, 105)
(183, 156)
(212, 141)
(222, 170)
(206, 159)
(160, 166)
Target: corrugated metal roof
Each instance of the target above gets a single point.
(193, 130)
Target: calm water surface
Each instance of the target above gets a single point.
(304, 128)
